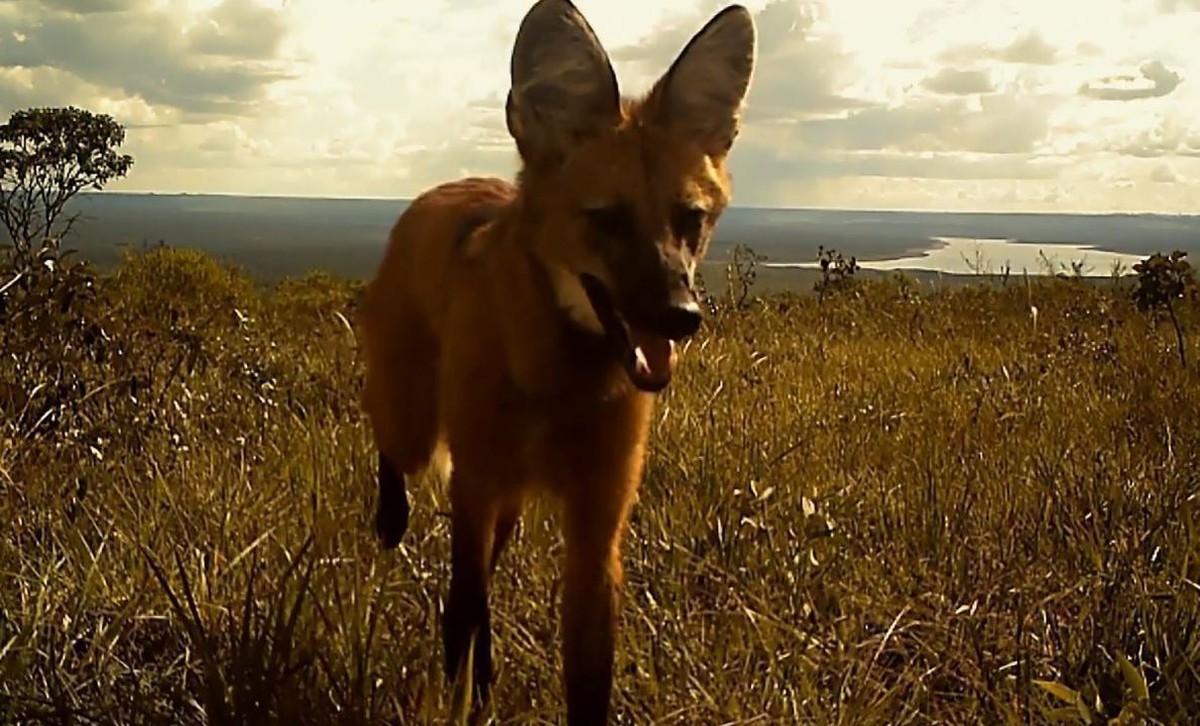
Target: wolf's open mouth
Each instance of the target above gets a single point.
(649, 357)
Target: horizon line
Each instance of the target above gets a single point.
(752, 207)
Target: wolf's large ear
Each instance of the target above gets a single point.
(563, 85)
(701, 95)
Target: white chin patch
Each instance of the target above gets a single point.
(572, 298)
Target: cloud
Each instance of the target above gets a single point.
(238, 30)
(22, 87)
(227, 137)
(1163, 174)
(1178, 6)
(31, 87)
(768, 172)
(1000, 123)
(1162, 81)
(1171, 136)
(1028, 47)
(223, 64)
(89, 7)
(803, 74)
(958, 166)
(799, 69)
(1110, 133)
(953, 81)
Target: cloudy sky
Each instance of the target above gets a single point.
(1045, 105)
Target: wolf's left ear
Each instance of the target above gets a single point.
(701, 95)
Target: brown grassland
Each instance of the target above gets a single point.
(876, 507)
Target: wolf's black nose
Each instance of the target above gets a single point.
(681, 320)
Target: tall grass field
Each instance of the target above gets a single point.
(877, 505)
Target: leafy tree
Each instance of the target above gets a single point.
(47, 156)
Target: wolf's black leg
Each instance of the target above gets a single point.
(391, 514)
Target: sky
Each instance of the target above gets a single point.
(996, 105)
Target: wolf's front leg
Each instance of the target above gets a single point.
(591, 598)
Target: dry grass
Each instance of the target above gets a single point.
(883, 508)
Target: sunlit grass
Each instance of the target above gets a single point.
(880, 508)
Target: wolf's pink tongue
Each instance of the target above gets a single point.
(655, 355)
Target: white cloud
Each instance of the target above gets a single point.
(1028, 47)
(962, 82)
(1179, 6)
(1163, 173)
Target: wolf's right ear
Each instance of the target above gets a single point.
(563, 85)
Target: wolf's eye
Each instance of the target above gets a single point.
(611, 220)
(686, 222)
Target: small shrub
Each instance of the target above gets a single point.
(837, 273)
(1163, 283)
(740, 276)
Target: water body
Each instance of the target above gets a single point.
(275, 236)
(983, 256)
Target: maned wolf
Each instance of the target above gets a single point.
(521, 331)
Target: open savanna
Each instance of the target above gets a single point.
(879, 507)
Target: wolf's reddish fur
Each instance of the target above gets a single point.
(526, 327)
